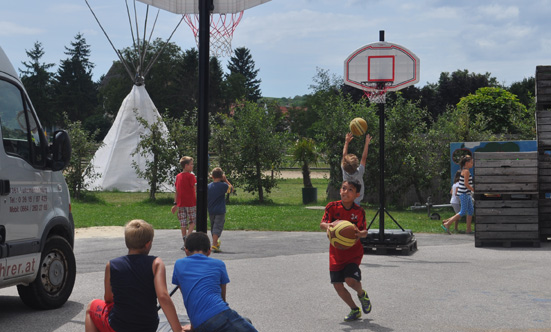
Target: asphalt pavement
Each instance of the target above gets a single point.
(280, 280)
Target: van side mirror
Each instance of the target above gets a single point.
(61, 150)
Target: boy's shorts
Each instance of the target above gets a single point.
(186, 215)
(217, 223)
(99, 313)
(350, 271)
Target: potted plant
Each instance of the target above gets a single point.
(304, 152)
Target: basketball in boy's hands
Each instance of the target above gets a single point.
(343, 235)
(358, 126)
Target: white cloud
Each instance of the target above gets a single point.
(498, 12)
(14, 29)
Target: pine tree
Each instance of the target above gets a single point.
(38, 83)
(242, 63)
(75, 91)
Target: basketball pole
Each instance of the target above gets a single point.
(205, 8)
(382, 210)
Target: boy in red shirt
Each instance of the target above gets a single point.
(344, 265)
(184, 199)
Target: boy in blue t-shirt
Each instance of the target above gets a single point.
(202, 281)
(217, 190)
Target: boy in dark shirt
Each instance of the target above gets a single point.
(133, 283)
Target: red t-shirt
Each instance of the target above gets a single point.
(339, 258)
(185, 187)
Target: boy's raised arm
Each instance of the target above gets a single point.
(226, 180)
(159, 273)
(366, 148)
(347, 140)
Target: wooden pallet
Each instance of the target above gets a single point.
(544, 180)
(507, 243)
(506, 198)
(544, 216)
(543, 88)
(543, 130)
(506, 172)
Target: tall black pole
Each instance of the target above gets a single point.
(205, 8)
(381, 162)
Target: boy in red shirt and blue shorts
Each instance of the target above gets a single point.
(344, 265)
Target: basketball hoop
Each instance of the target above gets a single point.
(376, 91)
(222, 27)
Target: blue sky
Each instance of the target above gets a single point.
(289, 39)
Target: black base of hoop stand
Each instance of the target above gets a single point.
(391, 240)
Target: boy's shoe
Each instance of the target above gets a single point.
(216, 247)
(354, 314)
(366, 304)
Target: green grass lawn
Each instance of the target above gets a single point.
(283, 211)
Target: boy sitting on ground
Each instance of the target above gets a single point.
(133, 283)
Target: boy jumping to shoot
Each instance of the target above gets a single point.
(344, 265)
(351, 168)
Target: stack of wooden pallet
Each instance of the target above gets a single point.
(543, 129)
(506, 198)
(543, 125)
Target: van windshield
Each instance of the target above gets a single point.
(20, 132)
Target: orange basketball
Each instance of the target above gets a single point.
(358, 126)
(343, 235)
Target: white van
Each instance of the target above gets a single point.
(36, 224)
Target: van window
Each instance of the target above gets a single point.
(21, 134)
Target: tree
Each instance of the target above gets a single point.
(234, 88)
(159, 155)
(38, 83)
(407, 151)
(242, 62)
(82, 148)
(451, 88)
(524, 90)
(74, 89)
(304, 151)
(502, 112)
(253, 147)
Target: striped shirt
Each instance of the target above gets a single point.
(462, 189)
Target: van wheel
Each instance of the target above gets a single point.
(55, 278)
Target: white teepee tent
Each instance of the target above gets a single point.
(113, 161)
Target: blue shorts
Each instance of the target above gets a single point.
(226, 321)
(467, 207)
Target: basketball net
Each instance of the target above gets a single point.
(377, 91)
(222, 27)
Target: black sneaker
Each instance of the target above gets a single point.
(366, 304)
(354, 314)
